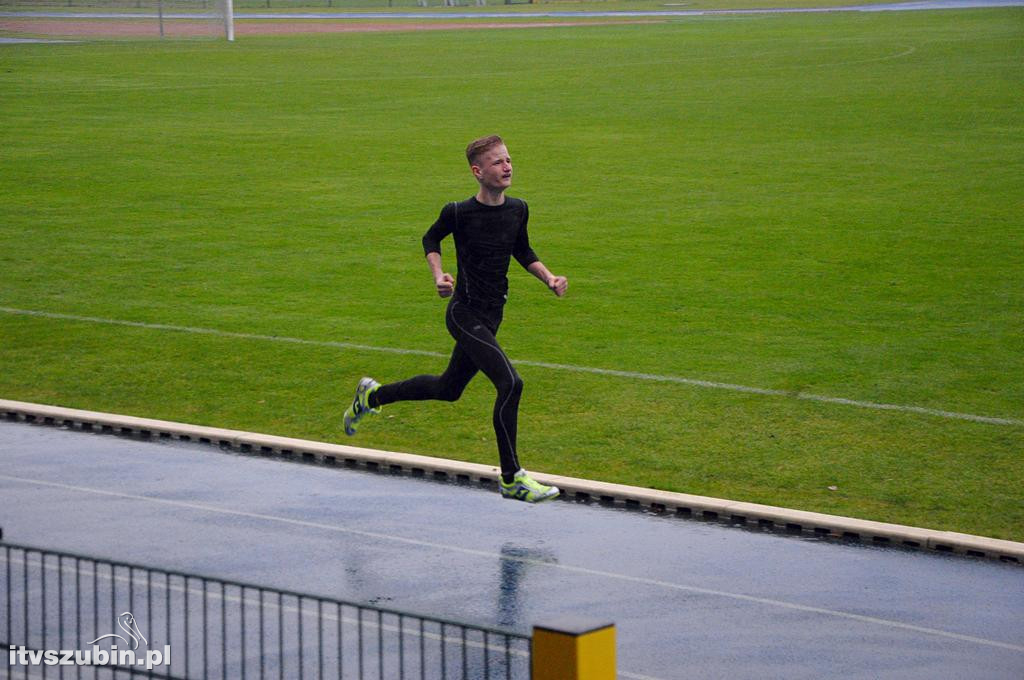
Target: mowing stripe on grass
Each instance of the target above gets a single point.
(447, 547)
(692, 382)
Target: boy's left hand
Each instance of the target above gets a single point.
(558, 285)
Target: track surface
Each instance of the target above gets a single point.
(455, 14)
(107, 24)
(690, 599)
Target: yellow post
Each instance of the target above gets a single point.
(573, 648)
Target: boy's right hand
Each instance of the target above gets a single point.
(445, 285)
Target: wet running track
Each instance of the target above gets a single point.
(690, 599)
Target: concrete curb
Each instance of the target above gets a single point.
(702, 507)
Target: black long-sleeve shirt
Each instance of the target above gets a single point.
(486, 238)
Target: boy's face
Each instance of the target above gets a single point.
(493, 168)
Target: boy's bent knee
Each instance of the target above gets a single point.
(450, 392)
(513, 386)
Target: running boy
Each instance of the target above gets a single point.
(489, 229)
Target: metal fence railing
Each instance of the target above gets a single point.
(69, 616)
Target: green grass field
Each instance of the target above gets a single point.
(817, 204)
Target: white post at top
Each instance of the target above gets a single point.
(229, 20)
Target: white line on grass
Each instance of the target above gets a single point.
(692, 382)
(792, 606)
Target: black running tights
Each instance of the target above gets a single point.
(476, 349)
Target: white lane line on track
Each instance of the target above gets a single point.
(888, 623)
(692, 382)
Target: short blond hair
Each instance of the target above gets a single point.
(479, 146)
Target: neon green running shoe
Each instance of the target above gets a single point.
(525, 488)
(360, 405)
